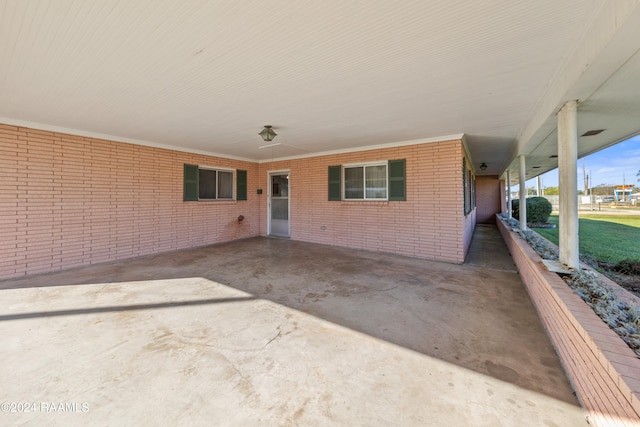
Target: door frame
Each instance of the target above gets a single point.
(271, 173)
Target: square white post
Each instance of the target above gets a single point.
(568, 180)
(523, 194)
(509, 211)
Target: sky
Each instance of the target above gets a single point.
(609, 166)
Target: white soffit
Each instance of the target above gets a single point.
(603, 74)
(205, 76)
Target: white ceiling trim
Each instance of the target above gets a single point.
(88, 134)
(444, 138)
(466, 149)
(78, 132)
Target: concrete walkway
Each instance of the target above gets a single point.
(274, 332)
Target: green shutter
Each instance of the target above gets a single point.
(241, 185)
(397, 180)
(334, 182)
(465, 195)
(190, 192)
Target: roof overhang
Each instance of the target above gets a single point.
(329, 76)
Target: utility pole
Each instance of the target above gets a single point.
(585, 179)
(591, 190)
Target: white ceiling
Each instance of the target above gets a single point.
(206, 75)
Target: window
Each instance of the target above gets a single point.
(204, 183)
(364, 182)
(468, 188)
(465, 188)
(368, 181)
(473, 192)
(215, 184)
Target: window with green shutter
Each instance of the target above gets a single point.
(190, 192)
(334, 182)
(383, 180)
(205, 183)
(465, 188)
(397, 180)
(241, 185)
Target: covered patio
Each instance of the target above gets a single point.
(142, 282)
(266, 331)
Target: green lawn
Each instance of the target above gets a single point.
(609, 238)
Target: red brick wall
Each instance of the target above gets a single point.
(488, 199)
(429, 224)
(603, 370)
(70, 201)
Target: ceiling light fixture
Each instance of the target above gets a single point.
(593, 132)
(483, 166)
(267, 133)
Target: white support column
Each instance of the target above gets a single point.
(568, 180)
(538, 186)
(509, 210)
(523, 194)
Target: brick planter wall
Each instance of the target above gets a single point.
(603, 370)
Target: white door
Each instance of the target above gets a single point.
(279, 204)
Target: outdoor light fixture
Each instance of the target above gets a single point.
(267, 133)
(483, 166)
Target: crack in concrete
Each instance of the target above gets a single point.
(374, 290)
(279, 334)
(388, 289)
(233, 366)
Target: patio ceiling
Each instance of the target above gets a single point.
(205, 76)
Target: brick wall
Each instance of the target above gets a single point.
(430, 224)
(488, 196)
(69, 201)
(603, 370)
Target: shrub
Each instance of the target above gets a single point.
(515, 208)
(538, 209)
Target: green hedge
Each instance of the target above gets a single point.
(538, 209)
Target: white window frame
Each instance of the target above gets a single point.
(384, 163)
(218, 169)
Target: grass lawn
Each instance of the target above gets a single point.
(608, 238)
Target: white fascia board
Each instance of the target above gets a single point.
(88, 134)
(458, 136)
(612, 17)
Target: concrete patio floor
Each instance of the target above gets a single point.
(277, 332)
